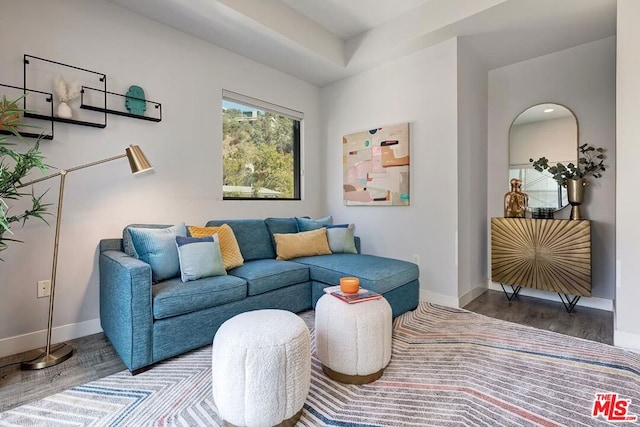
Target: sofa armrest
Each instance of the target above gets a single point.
(126, 314)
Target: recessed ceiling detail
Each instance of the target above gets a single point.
(325, 41)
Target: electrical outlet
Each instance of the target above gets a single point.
(44, 288)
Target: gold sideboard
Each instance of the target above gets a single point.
(546, 254)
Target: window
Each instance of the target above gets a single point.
(261, 149)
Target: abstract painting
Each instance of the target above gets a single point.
(376, 167)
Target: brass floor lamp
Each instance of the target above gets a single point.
(138, 163)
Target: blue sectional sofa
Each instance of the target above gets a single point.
(147, 322)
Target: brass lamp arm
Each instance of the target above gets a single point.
(65, 171)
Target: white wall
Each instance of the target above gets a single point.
(627, 329)
(583, 79)
(472, 174)
(421, 89)
(185, 75)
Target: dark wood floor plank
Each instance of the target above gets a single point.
(583, 322)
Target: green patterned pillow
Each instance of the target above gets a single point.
(342, 238)
(199, 257)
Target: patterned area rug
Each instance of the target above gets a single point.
(449, 367)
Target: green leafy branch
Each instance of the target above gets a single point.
(590, 163)
(14, 167)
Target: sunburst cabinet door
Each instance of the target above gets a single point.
(550, 255)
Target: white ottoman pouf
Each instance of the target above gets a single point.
(353, 341)
(261, 365)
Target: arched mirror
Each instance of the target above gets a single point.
(544, 130)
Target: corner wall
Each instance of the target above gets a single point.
(472, 174)
(583, 79)
(627, 328)
(421, 89)
(187, 76)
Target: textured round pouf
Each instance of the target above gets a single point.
(353, 341)
(261, 365)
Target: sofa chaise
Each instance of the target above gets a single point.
(149, 320)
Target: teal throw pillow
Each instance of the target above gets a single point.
(157, 247)
(306, 224)
(342, 239)
(199, 257)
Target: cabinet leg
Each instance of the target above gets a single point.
(570, 303)
(514, 293)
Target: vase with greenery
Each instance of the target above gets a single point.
(590, 163)
(15, 164)
(574, 177)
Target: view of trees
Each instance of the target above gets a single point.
(258, 152)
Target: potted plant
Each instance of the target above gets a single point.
(574, 178)
(14, 166)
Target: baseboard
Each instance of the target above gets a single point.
(592, 302)
(626, 340)
(33, 340)
(471, 295)
(440, 299)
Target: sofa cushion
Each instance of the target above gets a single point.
(280, 226)
(252, 235)
(376, 273)
(306, 243)
(199, 257)
(268, 274)
(341, 239)
(231, 255)
(157, 247)
(306, 224)
(173, 297)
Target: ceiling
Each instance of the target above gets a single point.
(328, 40)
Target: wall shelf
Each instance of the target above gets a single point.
(39, 73)
(63, 120)
(15, 92)
(84, 103)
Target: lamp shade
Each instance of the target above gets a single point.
(137, 160)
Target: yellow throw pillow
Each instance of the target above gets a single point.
(306, 243)
(231, 255)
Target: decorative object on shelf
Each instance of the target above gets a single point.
(35, 71)
(86, 104)
(135, 101)
(376, 167)
(542, 213)
(138, 163)
(515, 201)
(25, 129)
(575, 193)
(66, 92)
(590, 163)
(13, 171)
(349, 285)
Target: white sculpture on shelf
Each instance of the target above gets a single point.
(66, 93)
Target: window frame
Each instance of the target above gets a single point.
(298, 119)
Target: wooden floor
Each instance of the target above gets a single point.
(95, 358)
(587, 323)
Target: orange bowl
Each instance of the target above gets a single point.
(349, 285)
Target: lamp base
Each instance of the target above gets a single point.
(54, 357)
